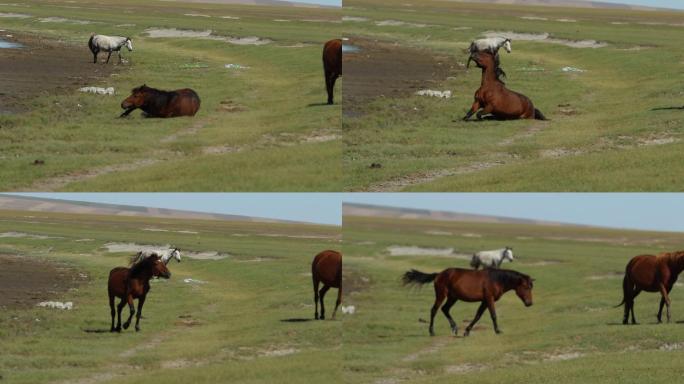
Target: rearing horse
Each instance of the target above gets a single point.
(332, 65)
(651, 274)
(494, 98)
(327, 269)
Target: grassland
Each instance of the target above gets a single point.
(230, 328)
(263, 128)
(572, 333)
(603, 134)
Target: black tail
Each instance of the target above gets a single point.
(538, 115)
(90, 43)
(625, 286)
(417, 277)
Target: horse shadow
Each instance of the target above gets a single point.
(666, 108)
(317, 105)
(96, 330)
(296, 320)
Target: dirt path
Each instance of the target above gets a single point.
(42, 65)
(26, 281)
(388, 69)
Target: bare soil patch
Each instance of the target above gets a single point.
(26, 281)
(389, 69)
(44, 66)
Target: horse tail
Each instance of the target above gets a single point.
(626, 284)
(538, 115)
(417, 277)
(91, 43)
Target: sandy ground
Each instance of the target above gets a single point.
(386, 69)
(44, 67)
(26, 281)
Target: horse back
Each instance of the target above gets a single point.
(646, 271)
(327, 267)
(332, 56)
(118, 279)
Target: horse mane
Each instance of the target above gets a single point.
(673, 255)
(507, 277)
(141, 265)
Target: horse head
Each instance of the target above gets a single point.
(158, 267)
(136, 99)
(508, 254)
(176, 254)
(524, 289)
(129, 44)
(507, 45)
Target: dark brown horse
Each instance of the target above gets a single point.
(327, 269)
(157, 103)
(133, 283)
(485, 286)
(332, 65)
(494, 98)
(651, 274)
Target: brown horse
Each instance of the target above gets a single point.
(158, 103)
(332, 65)
(327, 269)
(494, 98)
(485, 286)
(133, 283)
(651, 274)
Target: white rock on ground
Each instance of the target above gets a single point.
(56, 305)
(433, 93)
(98, 90)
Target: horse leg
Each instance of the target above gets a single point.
(445, 309)
(473, 109)
(478, 314)
(492, 313)
(131, 306)
(329, 84)
(141, 301)
(95, 57)
(484, 111)
(631, 304)
(666, 297)
(112, 310)
(439, 298)
(315, 288)
(108, 56)
(119, 308)
(119, 53)
(321, 295)
(662, 303)
(337, 303)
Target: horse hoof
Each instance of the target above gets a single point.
(137, 329)
(126, 325)
(498, 332)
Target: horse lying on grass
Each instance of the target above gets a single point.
(158, 103)
(493, 98)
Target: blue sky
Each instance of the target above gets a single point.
(653, 211)
(678, 4)
(319, 208)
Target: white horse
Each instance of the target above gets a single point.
(491, 45)
(491, 259)
(165, 256)
(98, 43)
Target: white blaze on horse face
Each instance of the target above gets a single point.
(508, 254)
(129, 45)
(507, 46)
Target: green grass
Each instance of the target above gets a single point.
(573, 313)
(611, 128)
(280, 93)
(237, 314)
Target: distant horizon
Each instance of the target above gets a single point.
(622, 211)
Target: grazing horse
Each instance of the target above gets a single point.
(491, 259)
(332, 65)
(109, 44)
(158, 103)
(165, 256)
(133, 283)
(494, 98)
(651, 274)
(485, 286)
(327, 269)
